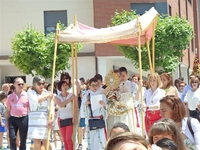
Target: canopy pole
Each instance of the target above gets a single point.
(52, 83)
(74, 126)
(149, 55)
(140, 70)
(153, 47)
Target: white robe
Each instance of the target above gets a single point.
(96, 138)
(129, 119)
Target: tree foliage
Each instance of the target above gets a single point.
(172, 37)
(33, 52)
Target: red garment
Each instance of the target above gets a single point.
(150, 118)
(66, 133)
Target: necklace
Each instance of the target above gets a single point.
(152, 97)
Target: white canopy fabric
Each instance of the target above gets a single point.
(125, 34)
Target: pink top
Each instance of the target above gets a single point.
(18, 105)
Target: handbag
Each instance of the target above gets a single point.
(66, 122)
(95, 123)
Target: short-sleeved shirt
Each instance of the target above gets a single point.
(193, 99)
(2, 110)
(19, 106)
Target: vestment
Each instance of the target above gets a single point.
(96, 138)
(122, 110)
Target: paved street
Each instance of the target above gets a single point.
(52, 143)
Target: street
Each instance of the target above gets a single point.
(28, 145)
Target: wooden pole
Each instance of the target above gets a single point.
(52, 83)
(153, 47)
(149, 55)
(74, 127)
(140, 70)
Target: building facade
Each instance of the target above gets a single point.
(184, 8)
(95, 58)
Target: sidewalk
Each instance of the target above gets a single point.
(28, 145)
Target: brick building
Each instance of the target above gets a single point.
(103, 9)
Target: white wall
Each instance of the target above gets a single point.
(15, 15)
(105, 64)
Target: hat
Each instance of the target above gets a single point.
(38, 79)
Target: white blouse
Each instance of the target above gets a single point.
(67, 111)
(33, 101)
(153, 98)
(193, 99)
(196, 129)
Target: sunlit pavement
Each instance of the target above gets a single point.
(28, 145)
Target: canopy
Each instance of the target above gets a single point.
(125, 34)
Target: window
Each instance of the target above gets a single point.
(141, 8)
(170, 10)
(51, 18)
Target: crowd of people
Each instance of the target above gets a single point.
(109, 118)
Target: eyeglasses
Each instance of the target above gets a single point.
(39, 84)
(21, 84)
(182, 85)
(194, 82)
(65, 78)
(94, 85)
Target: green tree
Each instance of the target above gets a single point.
(172, 37)
(33, 52)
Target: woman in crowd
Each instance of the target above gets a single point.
(127, 141)
(192, 99)
(66, 115)
(172, 107)
(166, 128)
(168, 86)
(152, 99)
(39, 99)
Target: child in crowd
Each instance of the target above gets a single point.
(56, 130)
(3, 97)
(96, 137)
(167, 144)
(166, 128)
(119, 127)
(127, 141)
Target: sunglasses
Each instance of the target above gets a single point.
(182, 85)
(39, 84)
(21, 84)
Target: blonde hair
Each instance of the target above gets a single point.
(154, 76)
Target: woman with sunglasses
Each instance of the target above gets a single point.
(192, 99)
(39, 99)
